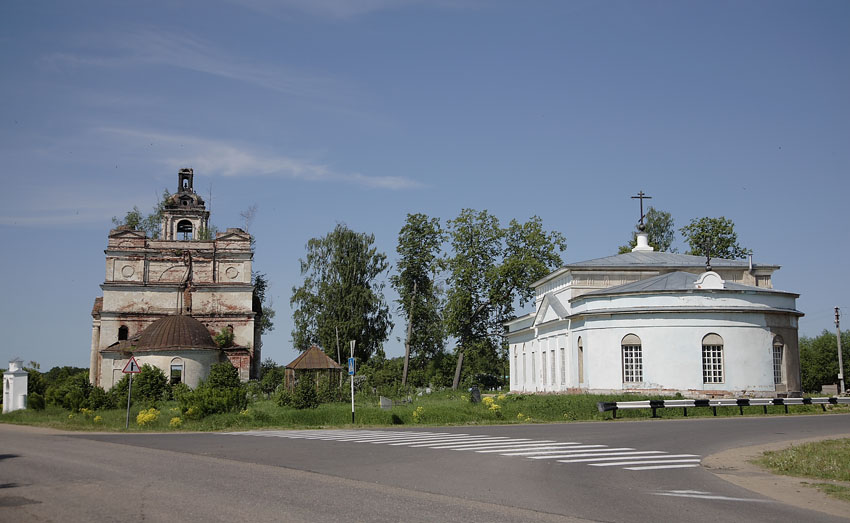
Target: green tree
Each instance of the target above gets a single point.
(70, 391)
(819, 360)
(419, 244)
(263, 303)
(150, 223)
(714, 237)
(149, 385)
(659, 228)
(492, 269)
(223, 376)
(341, 291)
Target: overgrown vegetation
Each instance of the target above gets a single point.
(150, 223)
(221, 392)
(222, 404)
(819, 359)
(829, 460)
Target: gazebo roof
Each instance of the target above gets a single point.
(313, 358)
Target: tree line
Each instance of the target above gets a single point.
(457, 282)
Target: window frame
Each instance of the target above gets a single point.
(631, 358)
(713, 360)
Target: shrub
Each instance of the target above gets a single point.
(284, 397)
(74, 399)
(224, 338)
(272, 378)
(305, 396)
(222, 391)
(179, 390)
(35, 401)
(71, 392)
(223, 376)
(147, 417)
(99, 399)
(417, 414)
(175, 423)
(149, 385)
(329, 392)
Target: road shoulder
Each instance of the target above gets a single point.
(734, 466)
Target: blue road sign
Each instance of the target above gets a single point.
(350, 366)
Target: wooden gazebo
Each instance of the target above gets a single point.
(311, 360)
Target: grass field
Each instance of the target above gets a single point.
(825, 460)
(439, 408)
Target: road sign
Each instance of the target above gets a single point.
(351, 366)
(132, 367)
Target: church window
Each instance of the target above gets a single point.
(632, 359)
(712, 359)
(580, 361)
(176, 371)
(778, 351)
(184, 230)
(123, 331)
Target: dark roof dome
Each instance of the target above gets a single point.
(175, 332)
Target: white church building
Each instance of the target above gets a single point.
(660, 323)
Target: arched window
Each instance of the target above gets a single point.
(580, 361)
(176, 371)
(184, 230)
(778, 360)
(712, 359)
(632, 359)
(123, 331)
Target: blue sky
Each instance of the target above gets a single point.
(361, 111)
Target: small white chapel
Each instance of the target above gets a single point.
(659, 323)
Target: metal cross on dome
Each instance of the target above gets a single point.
(641, 196)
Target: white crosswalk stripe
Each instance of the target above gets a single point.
(569, 452)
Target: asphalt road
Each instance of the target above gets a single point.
(398, 474)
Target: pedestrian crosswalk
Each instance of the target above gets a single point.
(572, 452)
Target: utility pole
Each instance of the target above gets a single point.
(841, 389)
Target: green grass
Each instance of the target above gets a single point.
(829, 460)
(440, 408)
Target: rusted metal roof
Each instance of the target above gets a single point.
(175, 332)
(313, 358)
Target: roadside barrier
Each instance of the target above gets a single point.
(605, 406)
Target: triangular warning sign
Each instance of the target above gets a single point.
(132, 366)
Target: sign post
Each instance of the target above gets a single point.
(351, 376)
(132, 367)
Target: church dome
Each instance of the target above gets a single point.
(175, 332)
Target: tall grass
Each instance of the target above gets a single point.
(439, 408)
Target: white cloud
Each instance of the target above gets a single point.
(185, 51)
(63, 205)
(343, 8)
(217, 157)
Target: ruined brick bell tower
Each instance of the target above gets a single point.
(185, 216)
